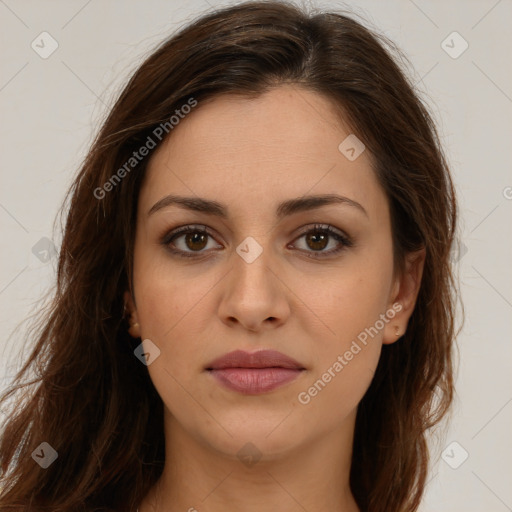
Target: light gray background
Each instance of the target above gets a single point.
(51, 108)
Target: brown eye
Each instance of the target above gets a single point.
(196, 241)
(188, 241)
(317, 241)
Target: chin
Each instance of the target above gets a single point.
(265, 438)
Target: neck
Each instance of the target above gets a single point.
(197, 477)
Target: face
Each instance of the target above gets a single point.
(253, 262)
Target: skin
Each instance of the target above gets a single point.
(249, 155)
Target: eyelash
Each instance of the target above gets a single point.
(325, 229)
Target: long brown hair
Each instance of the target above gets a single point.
(93, 401)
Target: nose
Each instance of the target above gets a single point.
(254, 297)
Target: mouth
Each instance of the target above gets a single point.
(254, 373)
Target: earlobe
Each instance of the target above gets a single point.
(131, 315)
(396, 324)
(404, 295)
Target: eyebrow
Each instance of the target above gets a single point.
(286, 208)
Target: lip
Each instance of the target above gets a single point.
(254, 373)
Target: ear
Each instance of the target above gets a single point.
(131, 313)
(403, 296)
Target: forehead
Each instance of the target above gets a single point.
(243, 151)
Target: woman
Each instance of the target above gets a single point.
(254, 305)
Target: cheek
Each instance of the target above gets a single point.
(346, 302)
(167, 304)
(335, 392)
(169, 294)
(348, 350)
(170, 308)
(347, 353)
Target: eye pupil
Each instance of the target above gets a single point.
(195, 238)
(317, 238)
